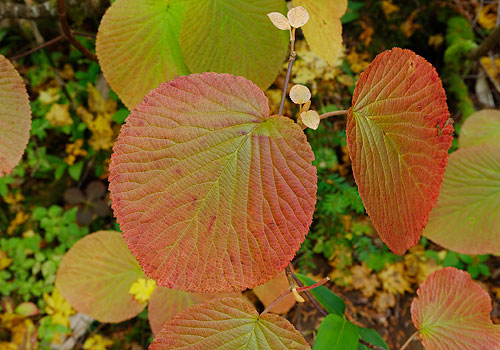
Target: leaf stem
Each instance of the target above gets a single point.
(288, 291)
(312, 299)
(334, 113)
(291, 60)
(410, 339)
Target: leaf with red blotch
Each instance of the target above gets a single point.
(227, 324)
(272, 289)
(466, 218)
(15, 117)
(212, 193)
(398, 137)
(95, 277)
(166, 303)
(452, 312)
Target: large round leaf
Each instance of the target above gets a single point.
(211, 192)
(398, 144)
(138, 46)
(323, 32)
(237, 37)
(452, 312)
(482, 127)
(139, 42)
(165, 303)
(95, 277)
(227, 324)
(15, 117)
(466, 218)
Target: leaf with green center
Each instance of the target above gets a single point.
(212, 193)
(141, 44)
(95, 277)
(138, 46)
(166, 303)
(323, 32)
(237, 37)
(466, 218)
(452, 312)
(336, 333)
(398, 139)
(15, 117)
(482, 127)
(227, 324)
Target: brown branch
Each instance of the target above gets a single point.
(14, 10)
(39, 47)
(489, 43)
(293, 55)
(63, 20)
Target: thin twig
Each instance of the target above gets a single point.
(63, 20)
(291, 59)
(288, 291)
(312, 299)
(331, 114)
(487, 44)
(370, 345)
(39, 47)
(410, 339)
(88, 35)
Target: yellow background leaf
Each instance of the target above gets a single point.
(323, 32)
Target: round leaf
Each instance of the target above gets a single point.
(482, 127)
(298, 16)
(211, 192)
(138, 46)
(237, 38)
(466, 218)
(166, 303)
(452, 312)
(95, 277)
(398, 144)
(15, 117)
(300, 94)
(227, 324)
(323, 32)
(310, 119)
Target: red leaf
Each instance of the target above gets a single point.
(452, 312)
(211, 192)
(15, 117)
(398, 144)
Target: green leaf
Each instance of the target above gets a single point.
(330, 301)
(336, 333)
(371, 336)
(75, 170)
(352, 11)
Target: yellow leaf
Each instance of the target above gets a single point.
(389, 8)
(142, 289)
(97, 342)
(323, 32)
(5, 261)
(298, 16)
(58, 308)
(310, 119)
(58, 115)
(409, 27)
(394, 279)
(488, 16)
